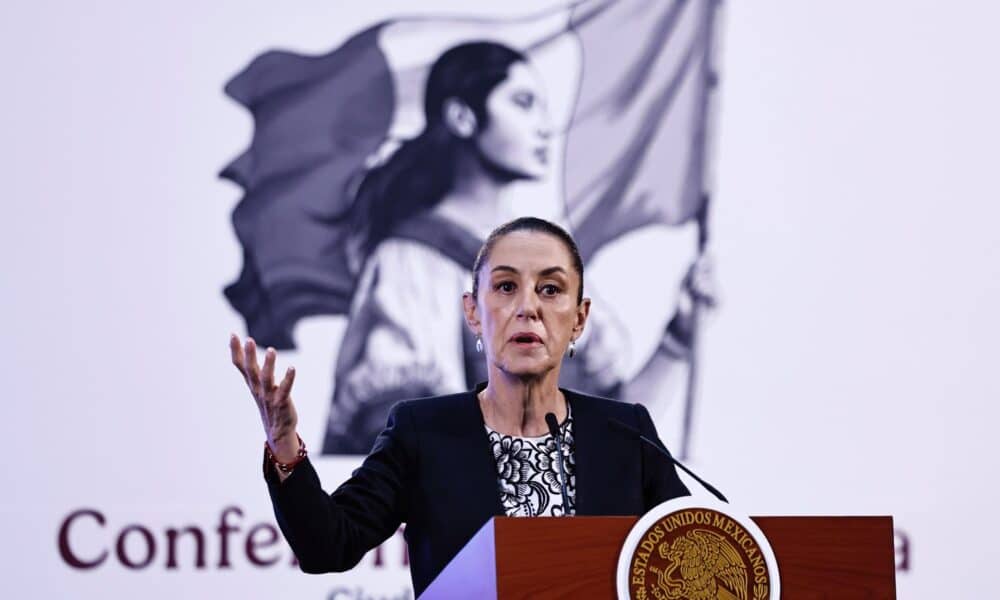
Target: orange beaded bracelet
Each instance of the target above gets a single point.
(286, 468)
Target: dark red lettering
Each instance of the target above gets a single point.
(902, 542)
(150, 547)
(67, 554)
(199, 539)
(254, 544)
(224, 530)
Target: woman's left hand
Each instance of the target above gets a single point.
(699, 283)
(697, 289)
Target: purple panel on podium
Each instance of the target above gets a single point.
(472, 573)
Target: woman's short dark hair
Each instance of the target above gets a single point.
(528, 224)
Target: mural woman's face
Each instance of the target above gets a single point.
(517, 135)
(527, 310)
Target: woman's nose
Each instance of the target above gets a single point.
(545, 125)
(528, 306)
(545, 130)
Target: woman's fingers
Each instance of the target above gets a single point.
(701, 281)
(282, 418)
(285, 387)
(236, 352)
(250, 366)
(274, 402)
(239, 361)
(267, 374)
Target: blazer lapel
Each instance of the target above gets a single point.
(588, 428)
(474, 458)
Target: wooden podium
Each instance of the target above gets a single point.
(546, 557)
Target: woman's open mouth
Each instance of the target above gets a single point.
(526, 338)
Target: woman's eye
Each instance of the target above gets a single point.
(550, 290)
(524, 99)
(505, 286)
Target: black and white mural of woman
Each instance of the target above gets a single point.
(420, 218)
(393, 248)
(423, 215)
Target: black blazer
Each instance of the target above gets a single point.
(432, 468)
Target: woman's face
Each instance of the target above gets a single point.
(527, 311)
(516, 137)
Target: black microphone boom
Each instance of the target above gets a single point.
(632, 431)
(550, 420)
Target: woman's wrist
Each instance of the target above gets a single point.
(287, 451)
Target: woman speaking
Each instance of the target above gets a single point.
(445, 465)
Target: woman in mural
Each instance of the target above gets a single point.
(419, 219)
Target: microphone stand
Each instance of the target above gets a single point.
(635, 433)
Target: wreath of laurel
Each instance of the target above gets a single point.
(760, 591)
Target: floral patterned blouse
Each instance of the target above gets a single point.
(528, 472)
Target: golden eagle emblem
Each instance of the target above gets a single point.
(703, 566)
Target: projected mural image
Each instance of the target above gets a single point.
(376, 171)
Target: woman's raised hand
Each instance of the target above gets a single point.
(277, 412)
(700, 281)
(697, 289)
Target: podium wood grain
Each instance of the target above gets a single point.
(819, 558)
(559, 557)
(823, 558)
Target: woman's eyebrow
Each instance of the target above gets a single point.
(543, 272)
(504, 268)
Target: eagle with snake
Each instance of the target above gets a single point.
(703, 566)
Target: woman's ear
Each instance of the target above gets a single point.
(471, 314)
(459, 118)
(582, 312)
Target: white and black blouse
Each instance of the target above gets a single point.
(528, 472)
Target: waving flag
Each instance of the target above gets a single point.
(316, 121)
(633, 152)
(636, 145)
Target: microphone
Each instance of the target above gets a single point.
(550, 420)
(632, 431)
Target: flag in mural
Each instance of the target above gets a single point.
(378, 168)
(636, 142)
